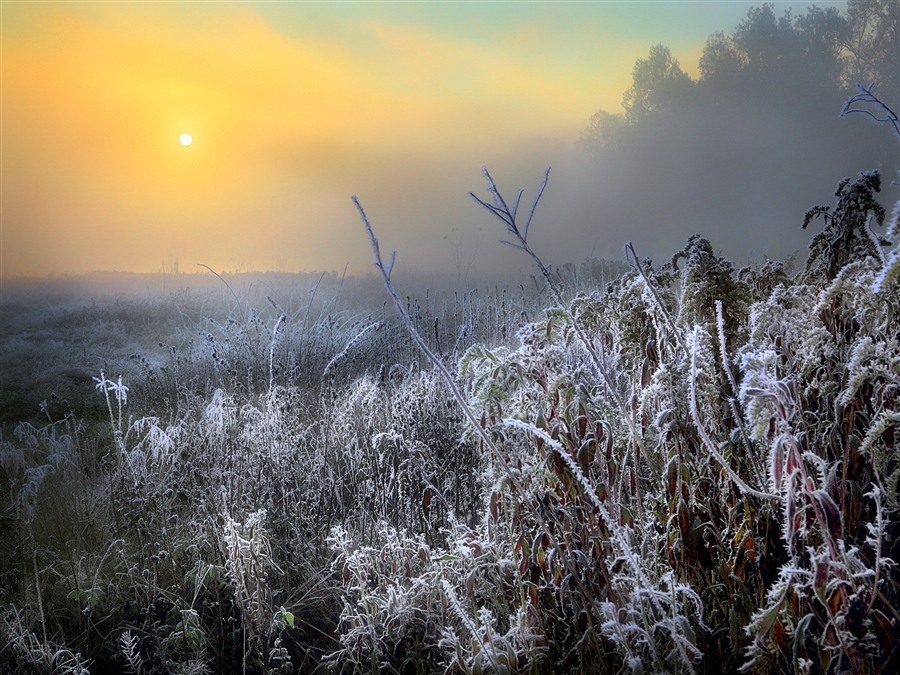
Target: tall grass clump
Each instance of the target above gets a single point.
(693, 469)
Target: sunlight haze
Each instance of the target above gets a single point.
(299, 106)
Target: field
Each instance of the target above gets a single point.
(674, 466)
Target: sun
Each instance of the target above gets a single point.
(186, 139)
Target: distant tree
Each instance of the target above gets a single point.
(720, 60)
(778, 52)
(821, 35)
(656, 81)
(872, 46)
(765, 41)
(799, 64)
(604, 134)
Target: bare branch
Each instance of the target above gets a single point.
(629, 248)
(492, 188)
(534, 205)
(516, 205)
(496, 211)
(866, 97)
(509, 243)
(597, 355)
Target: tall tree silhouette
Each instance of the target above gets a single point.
(872, 46)
(758, 134)
(656, 81)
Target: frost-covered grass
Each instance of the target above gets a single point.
(215, 440)
(685, 467)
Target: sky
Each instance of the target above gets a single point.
(295, 106)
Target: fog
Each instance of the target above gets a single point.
(742, 176)
(733, 139)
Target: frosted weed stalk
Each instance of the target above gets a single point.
(248, 560)
(817, 400)
(120, 391)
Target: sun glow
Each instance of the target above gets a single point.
(186, 139)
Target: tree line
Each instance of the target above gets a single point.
(805, 63)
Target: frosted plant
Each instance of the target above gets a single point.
(219, 415)
(847, 235)
(41, 654)
(519, 235)
(350, 345)
(120, 391)
(248, 559)
(495, 451)
(820, 363)
(890, 271)
(646, 612)
(392, 599)
(129, 645)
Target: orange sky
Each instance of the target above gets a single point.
(293, 108)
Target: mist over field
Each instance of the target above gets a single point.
(641, 417)
(293, 111)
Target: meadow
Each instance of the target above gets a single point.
(669, 466)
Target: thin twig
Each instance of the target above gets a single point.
(236, 299)
(629, 248)
(865, 96)
(598, 359)
(704, 436)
